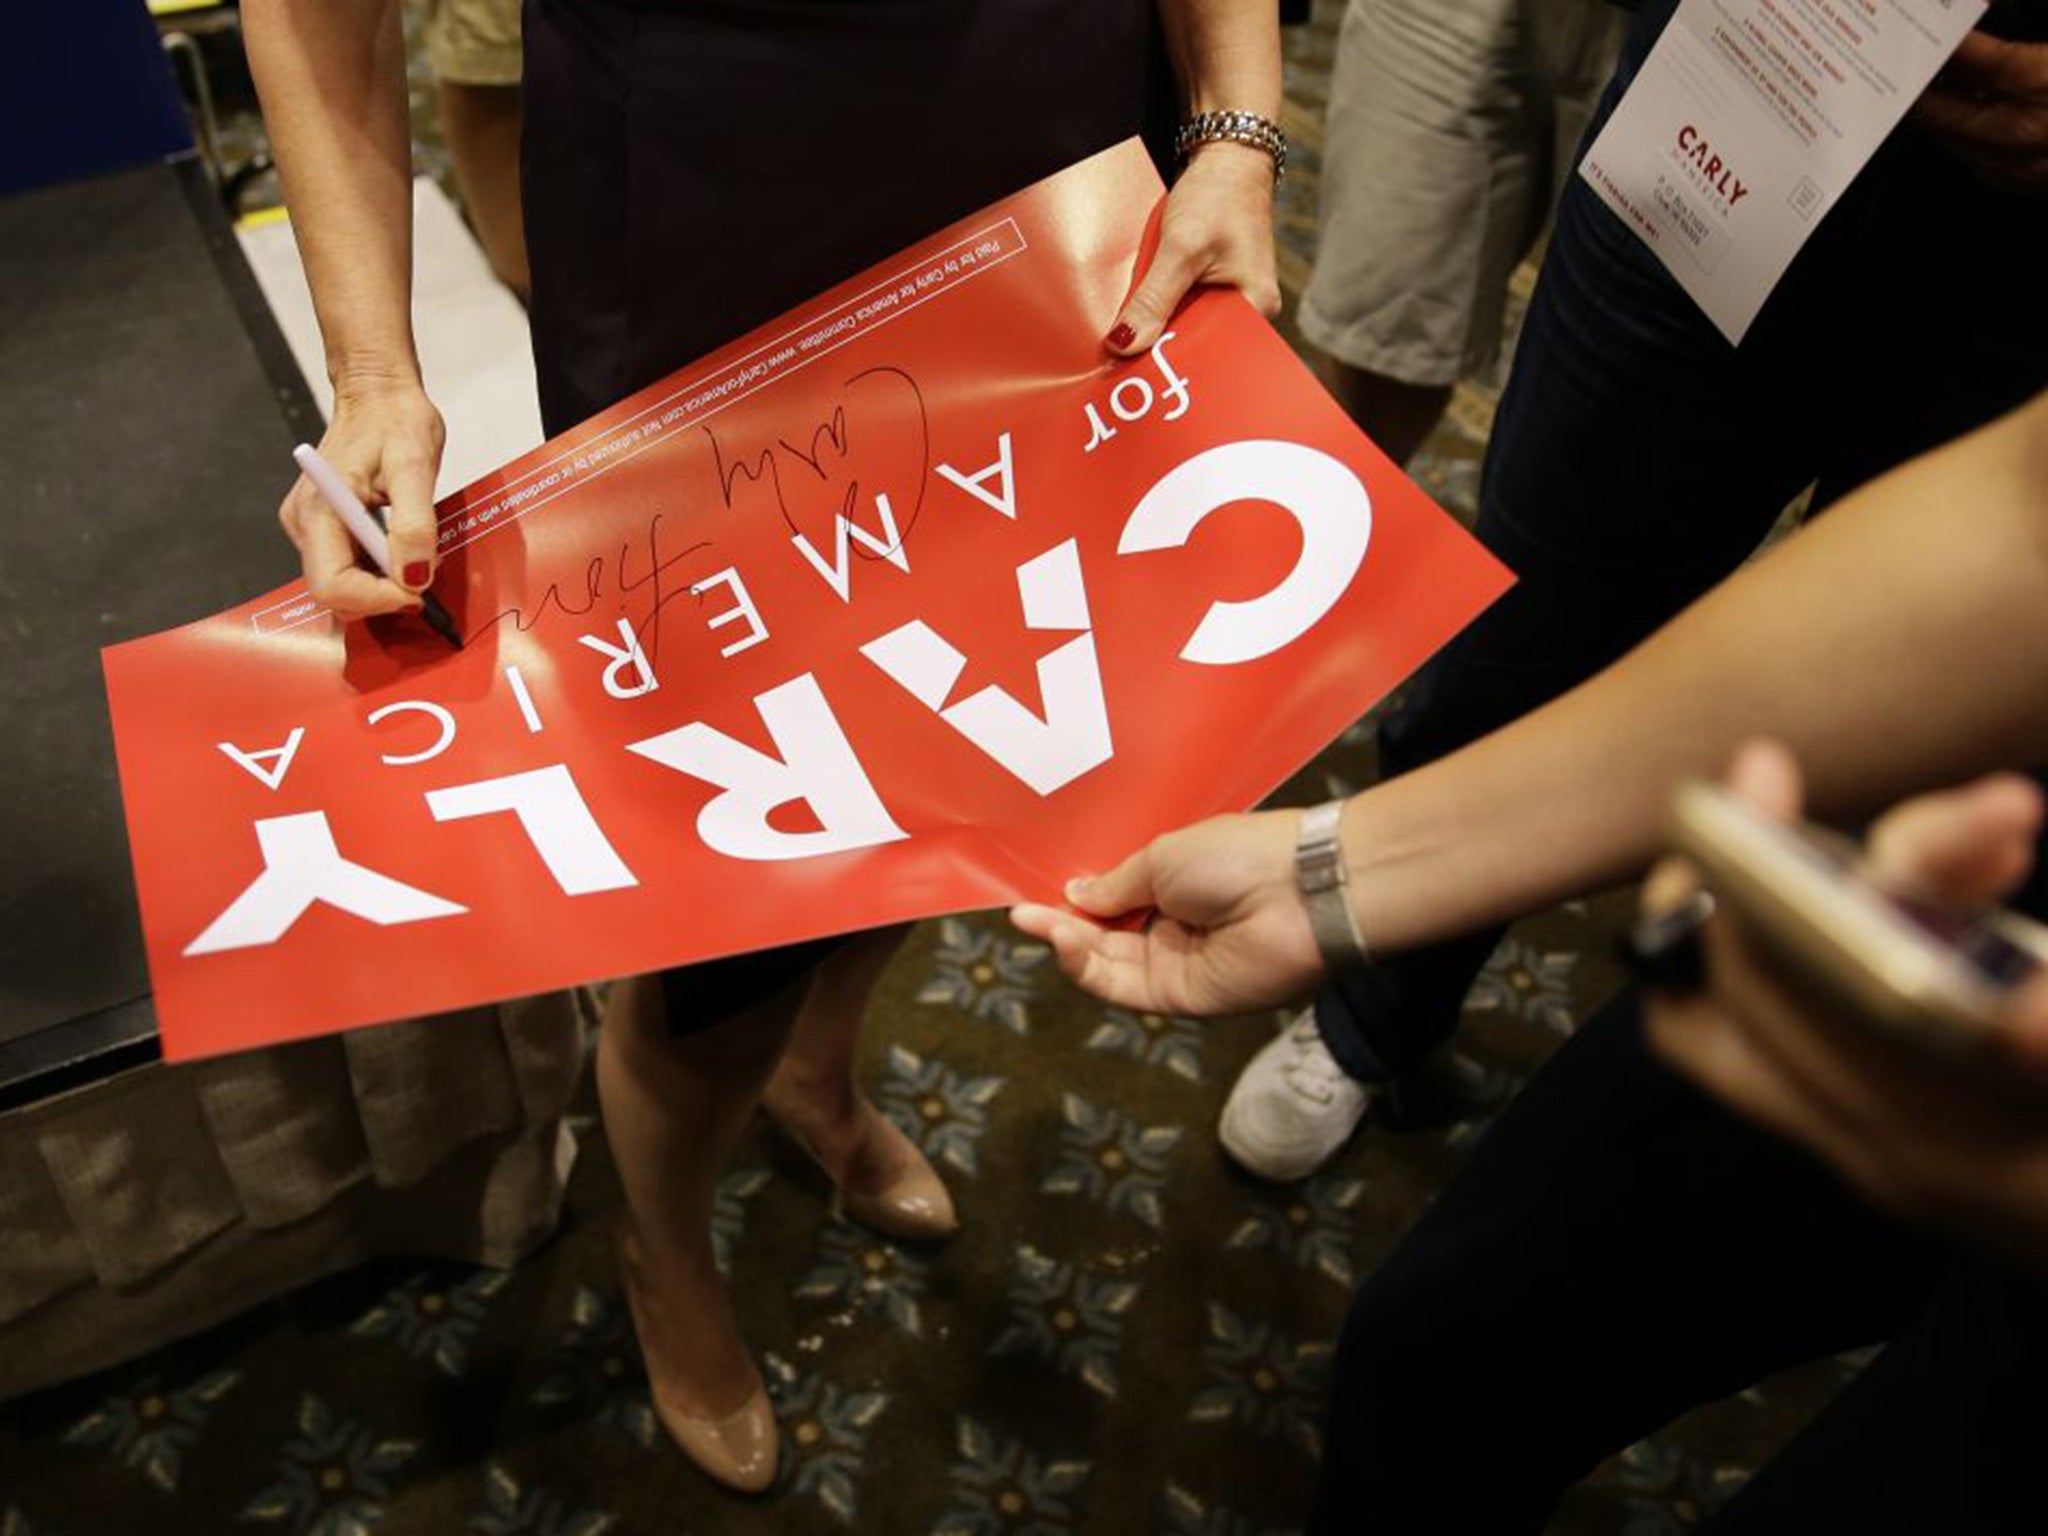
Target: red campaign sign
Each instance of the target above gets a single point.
(912, 601)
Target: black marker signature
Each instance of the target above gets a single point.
(585, 594)
(829, 446)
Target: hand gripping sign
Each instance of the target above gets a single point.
(910, 602)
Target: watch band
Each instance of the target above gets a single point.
(1324, 882)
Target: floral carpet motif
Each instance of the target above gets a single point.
(1128, 1336)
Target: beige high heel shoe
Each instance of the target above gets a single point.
(915, 1207)
(740, 1449)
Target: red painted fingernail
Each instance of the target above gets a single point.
(1122, 336)
(415, 574)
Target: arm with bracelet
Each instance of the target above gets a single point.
(1217, 226)
(1876, 611)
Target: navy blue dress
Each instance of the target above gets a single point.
(693, 168)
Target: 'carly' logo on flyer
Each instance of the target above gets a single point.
(1717, 173)
(818, 765)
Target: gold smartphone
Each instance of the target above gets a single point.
(1920, 970)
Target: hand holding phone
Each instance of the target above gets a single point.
(1910, 962)
(1873, 1006)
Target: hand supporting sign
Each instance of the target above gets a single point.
(911, 602)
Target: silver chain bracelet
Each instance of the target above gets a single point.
(1235, 128)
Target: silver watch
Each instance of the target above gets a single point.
(1320, 873)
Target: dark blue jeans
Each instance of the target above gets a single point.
(1638, 458)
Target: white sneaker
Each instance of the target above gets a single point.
(1292, 1107)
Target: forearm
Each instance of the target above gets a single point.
(331, 75)
(1226, 54)
(1900, 642)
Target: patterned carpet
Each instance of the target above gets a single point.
(1129, 1336)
